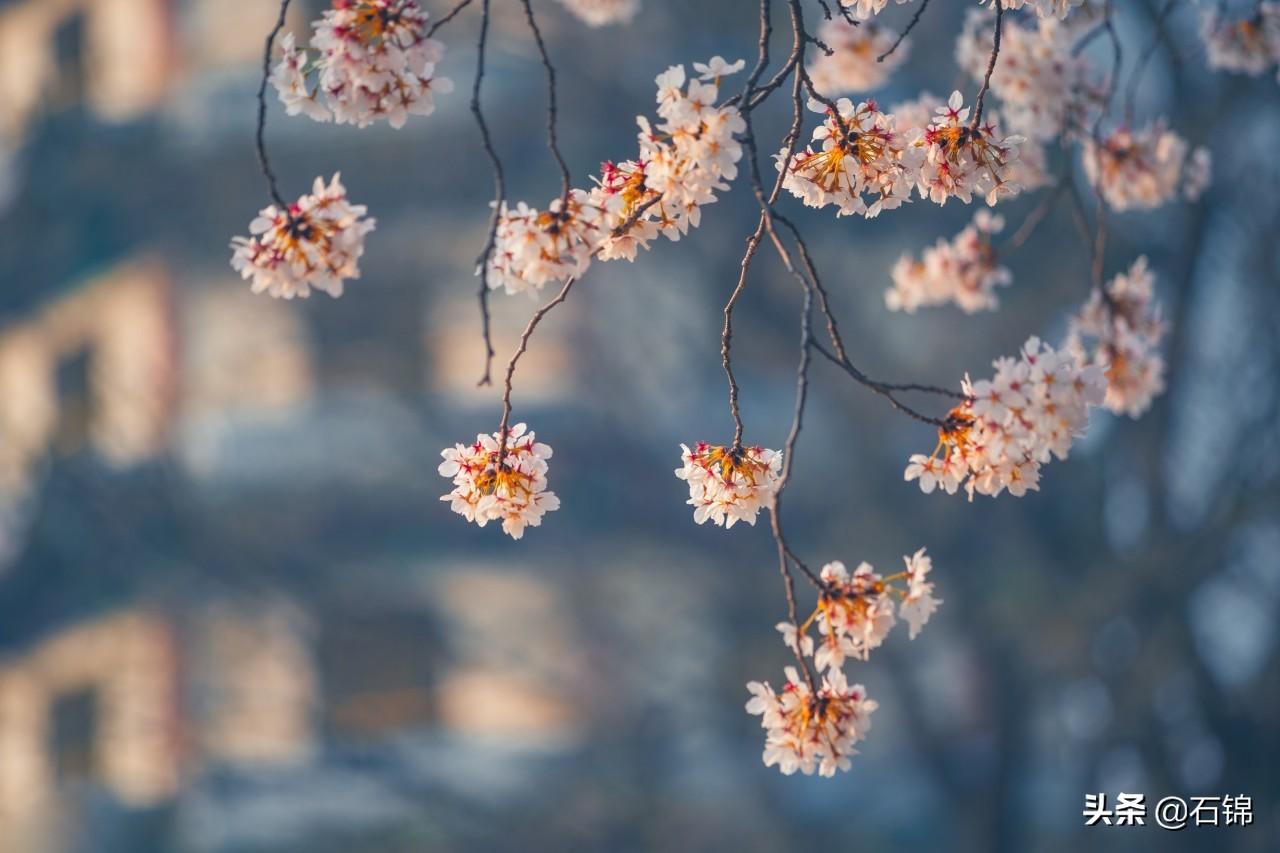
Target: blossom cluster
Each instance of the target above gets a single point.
(1008, 426)
(1145, 167)
(1045, 86)
(729, 484)
(853, 65)
(860, 155)
(1119, 329)
(497, 479)
(1245, 46)
(963, 270)
(372, 60)
(683, 161)
(601, 13)
(810, 730)
(316, 242)
(864, 9)
(963, 159)
(864, 155)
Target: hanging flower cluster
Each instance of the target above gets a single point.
(1044, 8)
(963, 159)
(1120, 331)
(1031, 410)
(861, 155)
(601, 13)
(1144, 168)
(855, 612)
(729, 484)
(372, 61)
(316, 242)
(1045, 86)
(864, 9)
(964, 270)
(497, 480)
(853, 66)
(1245, 46)
(683, 162)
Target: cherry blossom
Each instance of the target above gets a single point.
(1030, 411)
(853, 65)
(918, 603)
(861, 155)
(1043, 8)
(496, 483)
(1245, 46)
(1144, 168)
(962, 160)
(964, 270)
(372, 61)
(316, 242)
(855, 613)
(1120, 331)
(811, 732)
(1045, 86)
(728, 485)
(683, 161)
(600, 13)
(864, 9)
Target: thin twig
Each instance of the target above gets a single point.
(520, 350)
(448, 16)
(263, 162)
(499, 192)
(902, 36)
(552, 142)
(991, 66)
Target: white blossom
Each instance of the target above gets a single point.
(855, 614)
(316, 242)
(809, 732)
(683, 161)
(861, 156)
(1120, 332)
(864, 9)
(963, 160)
(601, 13)
(964, 270)
(918, 603)
(372, 61)
(1144, 168)
(728, 485)
(511, 489)
(853, 65)
(1246, 46)
(1008, 426)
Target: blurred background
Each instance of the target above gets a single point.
(234, 615)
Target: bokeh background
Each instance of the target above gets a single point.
(234, 615)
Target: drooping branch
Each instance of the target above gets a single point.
(552, 142)
(499, 191)
(902, 36)
(264, 162)
(991, 66)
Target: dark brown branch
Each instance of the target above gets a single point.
(552, 143)
(902, 36)
(991, 66)
(499, 192)
(515, 359)
(448, 16)
(263, 162)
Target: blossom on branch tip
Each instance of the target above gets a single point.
(861, 156)
(728, 485)
(496, 483)
(316, 242)
(964, 270)
(683, 161)
(918, 603)
(373, 61)
(853, 65)
(1120, 331)
(962, 160)
(855, 613)
(1246, 46)
(1144, 168)
(809, 732)
(864, 9)
(1030, 411)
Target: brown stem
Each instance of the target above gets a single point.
(260, 137)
